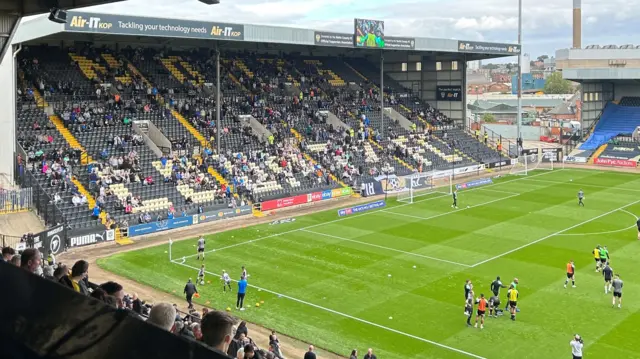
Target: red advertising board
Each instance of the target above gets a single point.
(316, 196)
(615, 162)
(285, 202)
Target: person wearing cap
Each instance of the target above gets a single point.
(576, 347)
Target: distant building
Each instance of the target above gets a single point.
(500, 77)
(529, 84)
(473, 65)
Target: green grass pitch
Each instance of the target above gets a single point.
(325, 279)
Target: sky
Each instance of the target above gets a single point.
(546, 23)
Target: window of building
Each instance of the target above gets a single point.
(590, 96)
(404, 67)
(454, 65)
(438, 66)
(418, 66)
(597, 96)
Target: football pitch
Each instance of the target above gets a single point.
(393, 278)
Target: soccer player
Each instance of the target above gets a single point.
(607, 273)
(226, 281)
(494, 304)
(496, 285)
(455, 199)
(482, 308)
(596, 256)
(242, 291)
(513, 285)
(580, 198)
(468, 308)
(200, 248)
(617, 290)
(571, 274)
(512, 293)
(244, 273)
(467, 288)
(201, 275)
(604, 256)
(638, 224)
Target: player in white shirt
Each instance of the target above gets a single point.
(226, 281)
(201, 275)
(200, 247)
(244, 273)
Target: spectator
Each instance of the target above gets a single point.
(196, 329)
(370, 354)
(7, 254)
(47, 272)
(242, 329)
(274, 343)
(60, 272)
(16, 260)
(217, 330)
(114, 289)
(189, 290)
(76, 280)
(162, 315)
(354, 354)
(30, 260)
(249, 352)
(310, 354)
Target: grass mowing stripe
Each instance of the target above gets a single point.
(604, 232)
(386, 248)
(577, 184)
(554, 234)
(357, 216)
(447, 213)
(364, 321)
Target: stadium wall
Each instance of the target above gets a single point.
(8, 114)
(595, 96)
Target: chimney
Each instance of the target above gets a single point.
(577, 24)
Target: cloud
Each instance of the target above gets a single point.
(546, 23)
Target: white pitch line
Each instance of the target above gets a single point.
(364, 321)
(605, 232)
(578, 184)
(387, 248)
(554, 234)
(362, 214)
(448, 213)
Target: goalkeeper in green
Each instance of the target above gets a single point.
(580, 198)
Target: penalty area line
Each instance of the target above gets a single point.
(365, 214)
(363, 321)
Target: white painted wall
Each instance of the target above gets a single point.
(7, 114)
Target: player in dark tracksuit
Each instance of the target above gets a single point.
(455, 199)
(580, 198)
(638, 223)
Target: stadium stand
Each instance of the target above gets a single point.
(290, 126)
(616, 119)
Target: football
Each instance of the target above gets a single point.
(201, 282)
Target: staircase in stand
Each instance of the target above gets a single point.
(115, 64)
(597, 153)
(88, 67)
(40, 101)
(85, 159)
(201, 139)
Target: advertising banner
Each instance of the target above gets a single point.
(615, 162)
(449, 93)
(551, 154)
(223, 214)
(80, 237)
(400, 43)
(620, 152)
(164, 225)
(50, 241)
(305, 198)
(575, 159)
(149, 26)
(530, 151)
(323, 38)
(488, 47)
(361, 208)
(498, 164)
(458, 171)
(476, 183)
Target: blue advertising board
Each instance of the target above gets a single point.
(476, 183)
(326, 194)
(361, 208)
(164, 225)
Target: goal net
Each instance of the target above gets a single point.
(424, 184)
(527, 163)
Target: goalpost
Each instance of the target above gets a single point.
(526, 163)
(425, 184)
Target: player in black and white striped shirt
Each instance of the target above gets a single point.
(201, 275)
